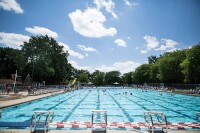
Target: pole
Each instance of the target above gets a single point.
(32, 70)
(15, 81)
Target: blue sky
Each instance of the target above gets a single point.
(104, 34)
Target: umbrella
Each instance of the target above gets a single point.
(89, 83)
(116, 83)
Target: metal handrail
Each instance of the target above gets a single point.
(101, 121)
(36, 119)
(150, 120)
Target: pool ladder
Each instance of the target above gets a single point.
(99, 119)
(0, 113)
(41, 118)
(152, 117)
(197, 115)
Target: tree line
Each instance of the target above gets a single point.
(180, 66)
(45, 60)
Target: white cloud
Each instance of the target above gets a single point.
(143, 51)
(109, 5)
(151, 41)
(128, 3)
(84, 48)
(167, 44)
(90, 23)
(134, 4)
(75, 65)
(36, 30)
(127, 66)
(11, 5)
(172, 50)
(71, 52)
(13, 40)
(120, 42)
(104, 68)
(123, 67)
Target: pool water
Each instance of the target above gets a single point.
(121, 106)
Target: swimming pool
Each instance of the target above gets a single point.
(122, 105)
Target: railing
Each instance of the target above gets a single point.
(42, 91)
(99, 119)
(41, 118)
(150, 118)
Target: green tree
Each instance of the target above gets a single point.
(191, 65)
(127, 78)
(45, 59)
(152, 59)
(169, 67)
(10, 61)
(98, 77)
(112, 77)
(83, 77)
(142, 74)
(154, 72)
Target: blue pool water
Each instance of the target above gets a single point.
(121, 107)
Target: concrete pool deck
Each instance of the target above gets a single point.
(24, 98)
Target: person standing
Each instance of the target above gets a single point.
(8, 89)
